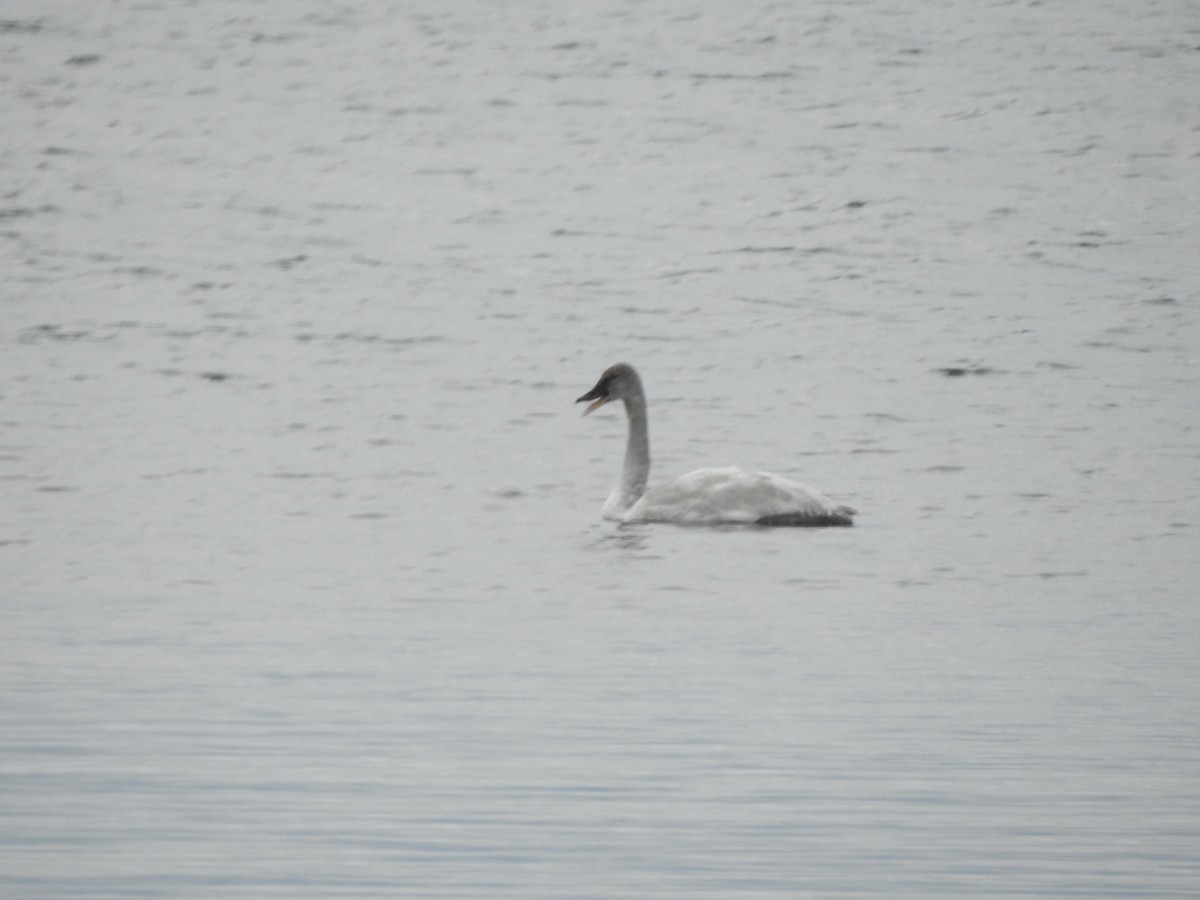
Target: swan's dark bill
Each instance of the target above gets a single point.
(727, 496)
(598, 395)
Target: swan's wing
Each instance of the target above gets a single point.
(733, 495)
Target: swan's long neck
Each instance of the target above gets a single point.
(636, 470)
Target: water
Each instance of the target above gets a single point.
(307, 592)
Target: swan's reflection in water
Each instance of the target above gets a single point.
(624, 539)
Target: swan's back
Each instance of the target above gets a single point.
(737, 496)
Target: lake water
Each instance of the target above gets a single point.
(307, 592)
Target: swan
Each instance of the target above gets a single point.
(705, 496)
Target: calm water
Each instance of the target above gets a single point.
(307, 593)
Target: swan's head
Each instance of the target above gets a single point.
(617, 383)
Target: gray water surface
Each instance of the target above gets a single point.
(307, 592)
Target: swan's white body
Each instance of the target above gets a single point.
(705, 496)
